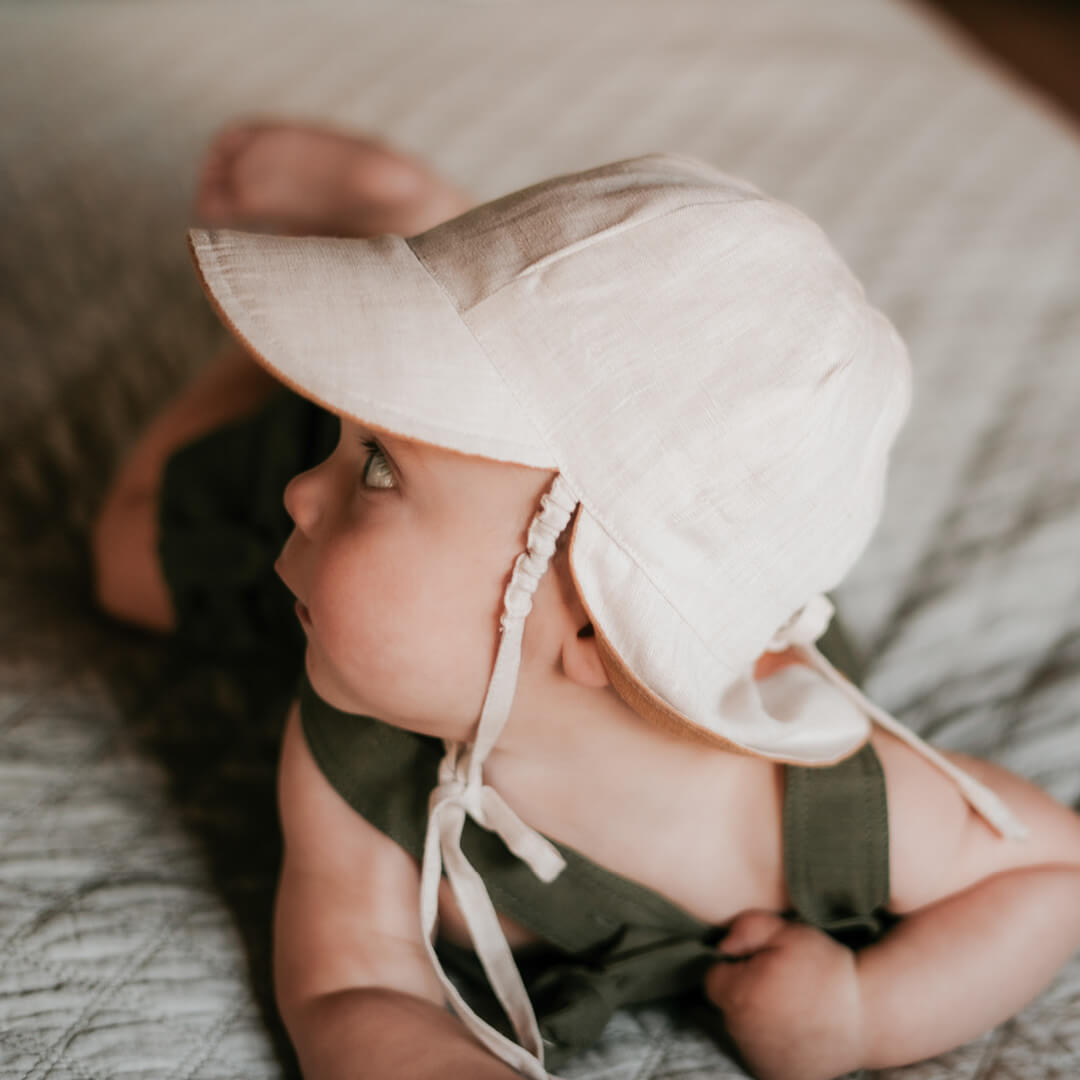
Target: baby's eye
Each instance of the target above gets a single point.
(376, 472)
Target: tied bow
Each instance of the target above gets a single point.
(805, 626)
(461, 793)
(451, 802)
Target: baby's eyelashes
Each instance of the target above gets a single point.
(376, 471)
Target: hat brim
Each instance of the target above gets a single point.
(361, 328)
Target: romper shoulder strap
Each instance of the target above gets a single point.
(836, 846)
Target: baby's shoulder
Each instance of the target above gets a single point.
(940, 846)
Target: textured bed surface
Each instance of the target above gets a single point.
(137, 835)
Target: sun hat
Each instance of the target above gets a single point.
(693, 358)
(718, 399)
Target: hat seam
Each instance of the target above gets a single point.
(631, 552)
(553, 257)
(487, 356)
(223, 283)
(629, 549)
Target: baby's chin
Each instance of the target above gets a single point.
(327, 687)
(328, 684)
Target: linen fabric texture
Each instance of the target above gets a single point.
(694, 359)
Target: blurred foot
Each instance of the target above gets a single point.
(305, 180)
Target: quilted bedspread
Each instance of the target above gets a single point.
(138, 841)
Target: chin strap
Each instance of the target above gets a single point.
(461, 793)
(803, 629)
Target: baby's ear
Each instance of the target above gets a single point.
(581, 658)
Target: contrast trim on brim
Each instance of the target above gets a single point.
(326, 317)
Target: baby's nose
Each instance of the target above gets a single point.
(303, 501)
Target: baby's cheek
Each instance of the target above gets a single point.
(441, 641)
(359, 617)
(409, 637)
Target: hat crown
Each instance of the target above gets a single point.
(710, 378)
(481, 251)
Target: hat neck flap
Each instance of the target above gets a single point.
(801, 632)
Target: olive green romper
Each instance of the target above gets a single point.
(608, 941)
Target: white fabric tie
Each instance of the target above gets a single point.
(801, 632)
(805, 626)
(461, 793)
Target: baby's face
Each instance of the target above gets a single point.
(399, 558)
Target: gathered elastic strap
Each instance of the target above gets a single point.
(461, 792)
(803, 630)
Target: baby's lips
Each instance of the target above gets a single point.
(280, 564)
(281, 574)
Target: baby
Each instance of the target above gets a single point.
(563, 727)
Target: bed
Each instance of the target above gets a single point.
(138, 841)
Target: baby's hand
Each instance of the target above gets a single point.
(791, 999)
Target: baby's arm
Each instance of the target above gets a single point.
(988, 921)
(987, 924)
(353, 981)
(128, 580)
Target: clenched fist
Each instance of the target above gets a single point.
(790, 998)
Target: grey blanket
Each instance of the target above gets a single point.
(138, 841)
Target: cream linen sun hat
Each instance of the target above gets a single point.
(718, 399)
(693, 358)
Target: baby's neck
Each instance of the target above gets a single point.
(589, 772)
(567, 748)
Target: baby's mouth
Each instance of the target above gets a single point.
(278, 569)
(301, 608)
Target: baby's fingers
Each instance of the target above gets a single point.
(751, 932)
(724, 984)
(729, 985)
